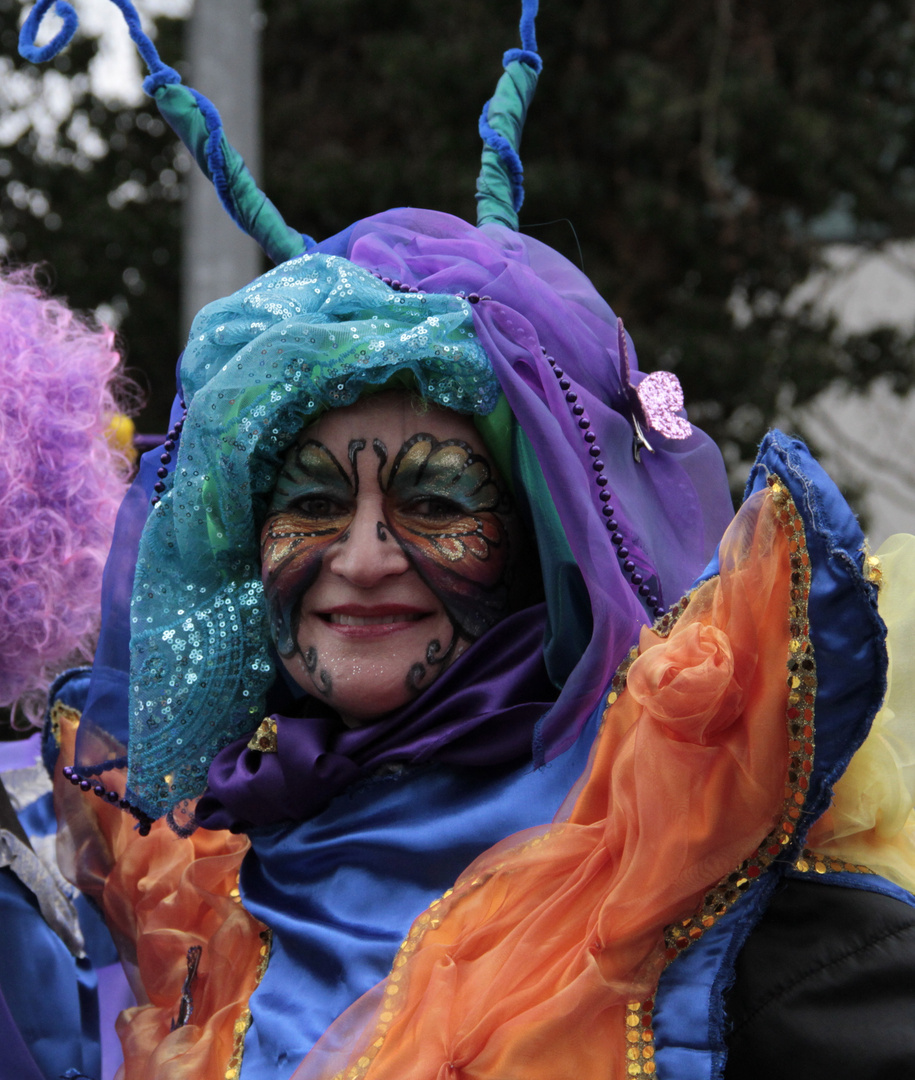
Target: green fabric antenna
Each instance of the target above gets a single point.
(186, 113)
(500, 185)
(194, 120)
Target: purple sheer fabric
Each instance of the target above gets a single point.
(480, 711)
(671, 508)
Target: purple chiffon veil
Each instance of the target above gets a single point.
(553, 340)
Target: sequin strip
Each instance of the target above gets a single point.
(61, 713)
(264, 739)
(430, 919)
(233, 1071)
(802, 684)
(811, 862)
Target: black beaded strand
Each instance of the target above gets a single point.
(616, 537)
(166, 456)
(84, 783)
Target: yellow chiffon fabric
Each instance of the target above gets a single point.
(525, 968)
(871, 821)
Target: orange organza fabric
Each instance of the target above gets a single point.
(526, 968)
(161, 894)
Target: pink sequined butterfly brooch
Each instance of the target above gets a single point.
(654, 404)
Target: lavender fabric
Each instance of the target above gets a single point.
(671, 508)
(481, 711)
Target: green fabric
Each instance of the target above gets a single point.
(253, 211)
(507, 113)
(568, 600)
(496, 430)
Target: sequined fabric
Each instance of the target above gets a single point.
(313, 334)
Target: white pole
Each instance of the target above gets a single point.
(223, 38)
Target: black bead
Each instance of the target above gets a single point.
(111, 796)
(601, 480)
(644, 590)
(597, 465)
(589, 438)
(607, 511)
(652, 601)
(473, 298)
(584, 423)
(605, 496)
(564, 384)
(623, 552)
(612, 524)
(616, 538)
(572, 397)
(84, 785)
(165, 458)
(162, 472)
(629, 566)
(594, 451)
(159, 487)
(100, 791)
(637, 579)
(558, 372)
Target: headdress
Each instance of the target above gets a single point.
(618, 539)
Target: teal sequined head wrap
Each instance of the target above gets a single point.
(313, 334)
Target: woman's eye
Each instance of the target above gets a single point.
(435, 509)
(317, 506)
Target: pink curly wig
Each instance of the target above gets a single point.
(60, 486)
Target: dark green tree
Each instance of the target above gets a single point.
(96, 199)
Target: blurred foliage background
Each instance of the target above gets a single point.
(693, 158)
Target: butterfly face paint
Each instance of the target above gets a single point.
(387, 550)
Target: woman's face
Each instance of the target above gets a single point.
(385, 553)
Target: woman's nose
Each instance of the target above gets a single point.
(367, 552)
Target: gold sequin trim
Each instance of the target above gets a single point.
(264, 739)
(233, 1070)
(811, 862)
(873, 570)
(61, 713)
(640, 1039)
(802, 686)
(430, 919)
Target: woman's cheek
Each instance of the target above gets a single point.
(292, 552)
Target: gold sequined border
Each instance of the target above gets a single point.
(264, 739)
(429, 920)
(233, 1069)
(812, 862)
(802, 686)
(640, 1039)
(61, 713)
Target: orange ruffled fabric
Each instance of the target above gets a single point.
(160, 895)
(525, 968)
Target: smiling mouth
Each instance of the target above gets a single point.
(336, 619)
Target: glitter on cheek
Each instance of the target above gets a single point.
(291, 557)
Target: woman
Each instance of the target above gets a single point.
(320, 484)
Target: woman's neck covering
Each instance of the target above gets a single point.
(479, 713)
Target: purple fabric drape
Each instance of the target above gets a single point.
(481, 711)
